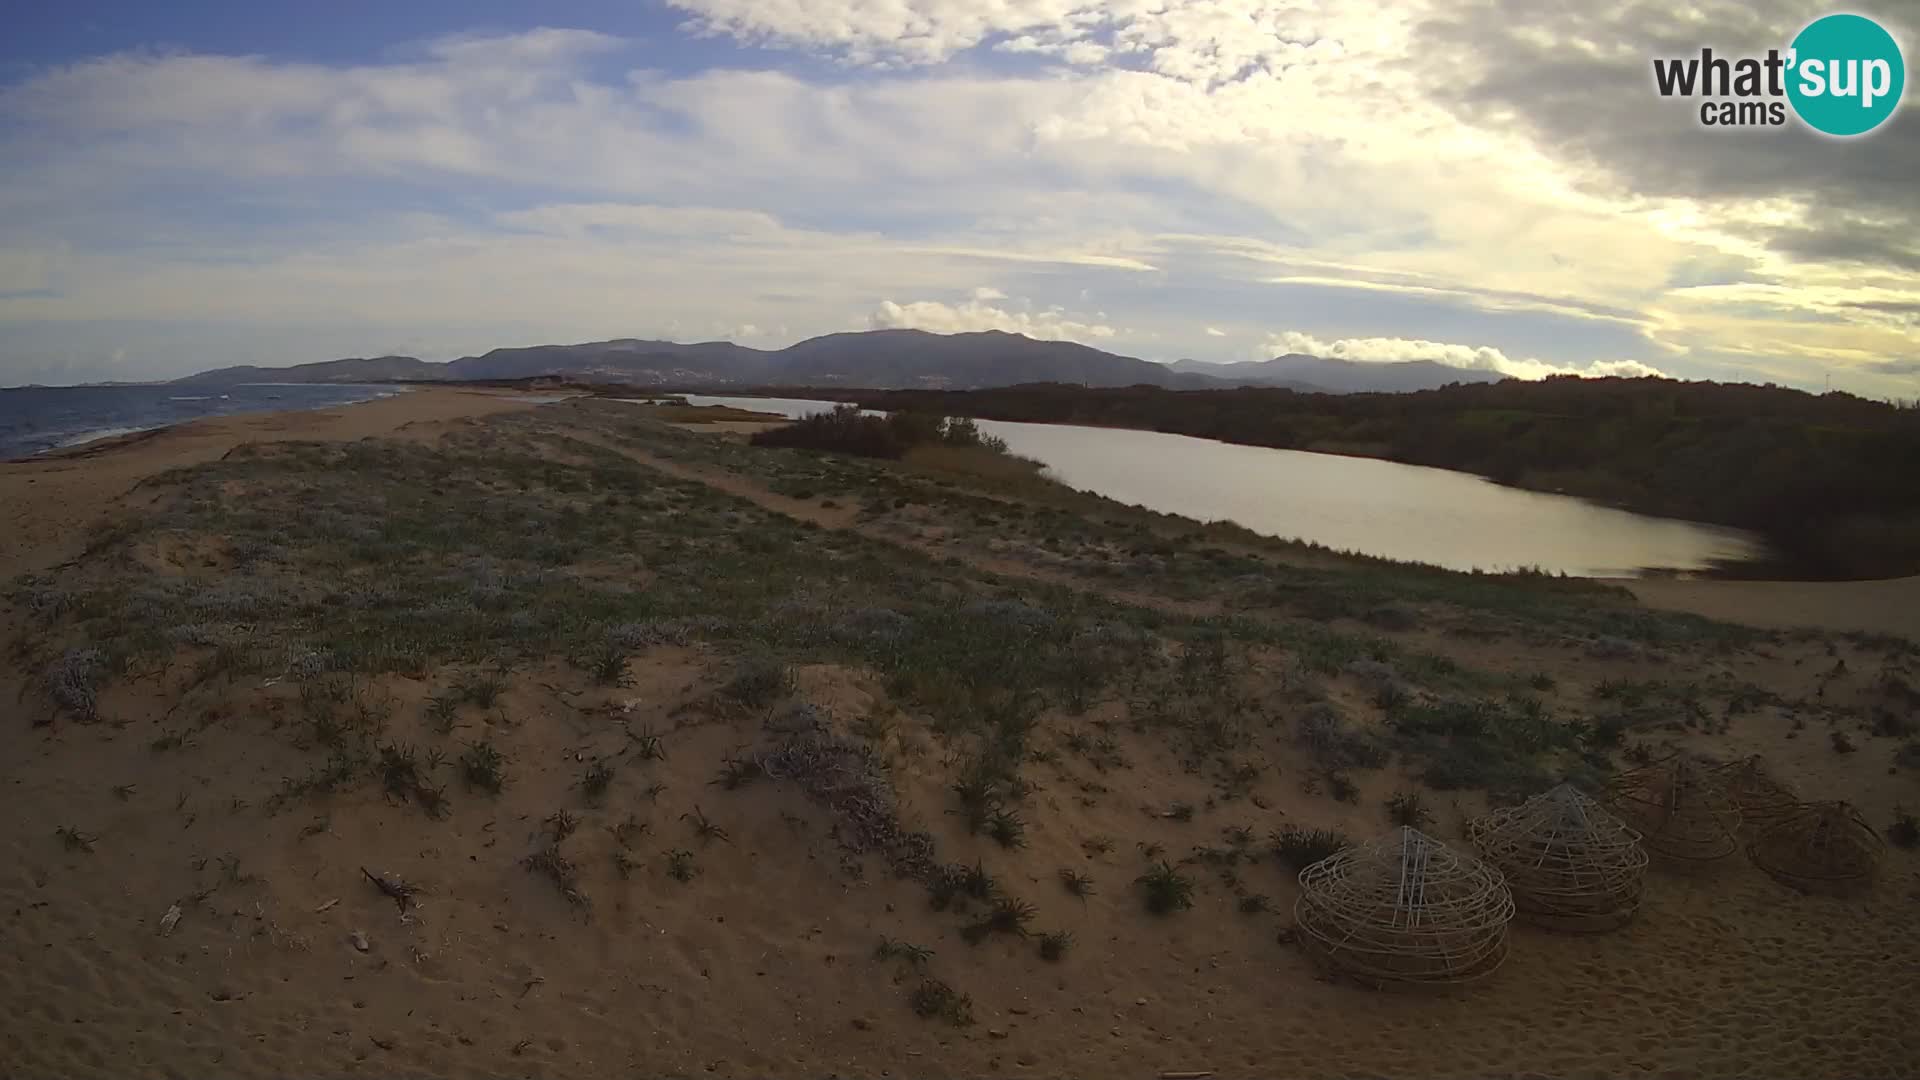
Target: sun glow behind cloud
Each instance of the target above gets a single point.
(1163, 179)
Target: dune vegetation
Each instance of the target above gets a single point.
(571, 741)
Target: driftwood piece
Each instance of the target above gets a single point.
(402, 893)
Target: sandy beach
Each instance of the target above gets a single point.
(55, 498)
(307, 640)
(1874, 607)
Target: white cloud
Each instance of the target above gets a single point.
(1051, 324)
(565, 198)
(1203, 41)
(1383, 350)
(1213, 331)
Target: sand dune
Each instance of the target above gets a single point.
(53, 499)
(314, 641)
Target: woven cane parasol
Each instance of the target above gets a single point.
(1404, 909)
(1677, 808)
(1570, 863)
(1761, 798)
(1818, 845)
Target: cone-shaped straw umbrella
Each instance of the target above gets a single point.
(1822, 845)
(1677, 808)
(1570, 863)
(1761, 798)
(1404, 909)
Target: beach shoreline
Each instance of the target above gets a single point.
(56, 497)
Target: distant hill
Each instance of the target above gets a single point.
(873, 358)
(373, 369)
(1298, 371)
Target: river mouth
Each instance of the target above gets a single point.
(1363, 506)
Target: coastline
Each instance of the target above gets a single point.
(57, 497)
(40, 421)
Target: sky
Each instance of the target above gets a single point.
(1492, 184)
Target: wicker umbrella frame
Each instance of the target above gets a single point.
(1404, 909)
(1679, 810)
(1822, 845)
(1570, 864)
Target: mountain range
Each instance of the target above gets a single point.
(1330, 375)
(876, 359)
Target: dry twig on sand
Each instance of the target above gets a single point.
(403, 894)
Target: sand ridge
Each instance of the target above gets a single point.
(287, 961)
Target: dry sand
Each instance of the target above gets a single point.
(52, 500)
(763, 964)
(1876, 607)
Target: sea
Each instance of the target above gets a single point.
(36, 419)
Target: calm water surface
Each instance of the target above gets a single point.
(1451, 519)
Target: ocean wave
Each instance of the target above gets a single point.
(97, 434)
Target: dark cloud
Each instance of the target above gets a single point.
(1840, 237)
(1580, 78)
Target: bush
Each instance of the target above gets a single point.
(848, 430)
(758, 681)
(1167, 890)
(933, 998)
(73, 680)
(1300, 848)
(1409, 809)
(1905, 830)
(1333, 744)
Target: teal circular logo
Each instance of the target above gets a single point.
(1845, 75)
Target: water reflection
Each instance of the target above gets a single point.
(1451, 519)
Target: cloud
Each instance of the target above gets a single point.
(1579, 81)
(1213, 331)
(1340, 168)
(1051, 324)
(1381, 350)
(1195, 40)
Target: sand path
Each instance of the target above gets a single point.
(847, 517)
(52, 500)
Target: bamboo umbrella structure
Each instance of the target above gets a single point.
(1570, 863)
(1678, 809)
(1761, 798)
(1820, 845)
(1404, 909)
